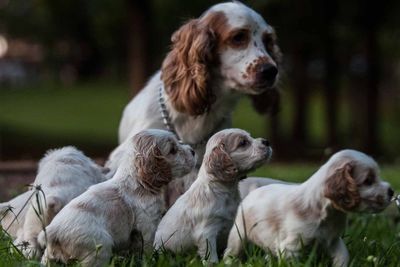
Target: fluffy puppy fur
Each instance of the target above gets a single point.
(8, 214)
(62, 175)
(123, 212)
(251, 183)
(202, 217)
(215, 59)
(281, 218)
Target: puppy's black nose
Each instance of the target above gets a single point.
(268, 72)
(265, 142)
(192, 151)
(390, 192)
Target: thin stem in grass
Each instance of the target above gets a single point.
(23, 207)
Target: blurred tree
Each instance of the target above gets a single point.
(139, 31)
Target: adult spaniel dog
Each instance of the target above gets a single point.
(228, 51)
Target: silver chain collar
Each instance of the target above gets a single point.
(165, 115)
(170, 127)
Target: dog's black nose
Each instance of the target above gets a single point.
(390, 192)
(268, 72)
(192, 151)
(265, 142)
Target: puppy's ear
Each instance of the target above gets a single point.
(341, 188)
(152, 169)
(185, 70)
(220, 164)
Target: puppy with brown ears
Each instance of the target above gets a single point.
(201, 217)
(282, 218)
(123, 212)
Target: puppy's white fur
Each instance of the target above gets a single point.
(62, 175)
(124, 211)
(12, 214)
(283, 217)
(202, 216)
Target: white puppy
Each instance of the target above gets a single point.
(63, 174)
(282, 218)
(123, 211)
(203, 215)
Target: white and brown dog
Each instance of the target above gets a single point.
(282, 217)
(215, 59)
(62, 175)
(201, 218)
(123, 211)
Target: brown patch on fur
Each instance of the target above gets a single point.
(304, 213)
(87, 207)
(153, 170)
(274, 220)
(342, 189)
(186, 69)
(220, 164)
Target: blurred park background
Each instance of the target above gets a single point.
(68, 68)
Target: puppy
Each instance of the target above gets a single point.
(124, 211)
(63, 174)
(203, 215)
(282, 218)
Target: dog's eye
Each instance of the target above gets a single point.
(243, 143)
(370, 180)
(173, 150)
(239, 38)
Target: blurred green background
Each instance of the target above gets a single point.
(68, 68)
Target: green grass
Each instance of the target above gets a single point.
(86, 111)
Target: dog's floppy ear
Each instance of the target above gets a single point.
(185, 70)
(152, 169)
(220, 164)
(341, 188)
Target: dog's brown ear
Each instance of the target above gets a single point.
(220, 164)
(341, 188)
(185, 70)
(152, 169)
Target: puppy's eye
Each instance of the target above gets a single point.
(243, 143)
(173, 150)
(370, 180)
(239, 38)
